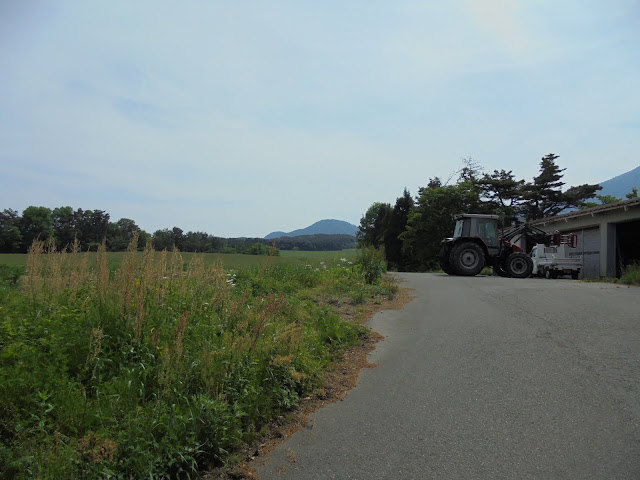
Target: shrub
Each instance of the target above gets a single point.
(371, 264)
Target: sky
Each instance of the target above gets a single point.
(239, 118)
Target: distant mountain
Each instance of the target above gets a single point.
(327, 227)
(622, 184)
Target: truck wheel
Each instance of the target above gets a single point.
(519, 265)
(575, 275)
(443, 257)
(467, 258)
(549, 274)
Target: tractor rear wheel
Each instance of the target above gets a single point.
(467, 258)
(519, 265)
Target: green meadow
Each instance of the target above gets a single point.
(228, 261)
(161, 364)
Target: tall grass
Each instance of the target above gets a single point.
(152, 369)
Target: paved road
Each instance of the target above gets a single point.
(486, 377)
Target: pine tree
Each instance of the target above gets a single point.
(545, 198)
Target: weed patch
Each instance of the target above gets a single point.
(631, 275)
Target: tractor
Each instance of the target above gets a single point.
(476, 243)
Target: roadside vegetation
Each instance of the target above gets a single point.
(630, 276)
(153, 365)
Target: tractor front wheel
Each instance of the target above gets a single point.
(519, 265)
(443, 257)
(467, 258)
(500, 271)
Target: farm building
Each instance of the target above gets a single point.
(608, 236)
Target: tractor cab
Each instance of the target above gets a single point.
(484, 227)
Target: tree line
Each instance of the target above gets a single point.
(89, 228)
(410, 232)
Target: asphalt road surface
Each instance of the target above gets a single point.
(486, 377)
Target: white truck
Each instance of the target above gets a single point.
(555, 261)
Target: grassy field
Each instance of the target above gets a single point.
(227, 261)
(160, 365)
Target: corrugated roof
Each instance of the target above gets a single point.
(633, 202)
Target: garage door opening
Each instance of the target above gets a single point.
(627, 245)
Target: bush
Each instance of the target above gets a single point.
(10, 274)
(371, 264)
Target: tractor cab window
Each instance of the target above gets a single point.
(462, 228)
(487, 231)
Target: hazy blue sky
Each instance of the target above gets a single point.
(242, 117)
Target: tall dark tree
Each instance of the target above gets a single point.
(92, 227)
(197, 242)
(503, 193)
(64, 227)
(373, 225)
(168, 239)
(10, 235)
(120, 234)
(545, 198)
(162, 240)
(396, 226)
(178, 238)
(431, 220)
(36, 223)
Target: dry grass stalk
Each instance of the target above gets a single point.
(54, 280)
(77, 268)
(179, 337)
(95, 347)
(96, 450)
(290, 338)
(102, 271)
(124, 281)
(140, 313)
(148, 276)
(176, 265)
(33, 273)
